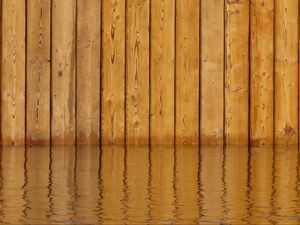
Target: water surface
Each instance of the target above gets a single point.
(88, 185)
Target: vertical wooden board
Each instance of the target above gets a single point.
(88, 71)
(187, 72)
(236, 71)
(162, 77)
(13, 72)
(262, 72)
(212, 72)
(137, 71)
(38, 72)
(63, 72)
(286, 72)
(113, 72)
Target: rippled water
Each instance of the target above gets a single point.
(149, 186)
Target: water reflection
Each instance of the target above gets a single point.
(86, 185)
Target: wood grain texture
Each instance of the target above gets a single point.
(236, 71)
(38, 72)
(286, 72)
(262, 72)
(162, 77)
(88, 71)
(13, 72)
(137, 71)
(63, 72)
(187, 72)
(113, 73)
(212, 72)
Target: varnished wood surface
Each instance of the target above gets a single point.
(139, 72)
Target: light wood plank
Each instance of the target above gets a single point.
(13, 72)
(212, 72)
(137, 72)
(63, 72)
(88, 71)
(262, 72)
(162, 77)
(237, 72)
(187, 71)
(38, 72)
(113, 73)
(286, 72)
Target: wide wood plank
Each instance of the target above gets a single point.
(113, 73)
(237, 71)
(187, 71)
(212, 72)
(88, 71)
(137, 71)
(38, 72)
(13, 72)
(63, 71)
(162, 77)
(262, 72)
(286, 72)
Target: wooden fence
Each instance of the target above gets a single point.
(149, 71)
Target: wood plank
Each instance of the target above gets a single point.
(187, 72)
(262, 72)
(63, 72)
(236, 71)
(38, 72)
(137, 71)
(13, 72)
(162, 77)
(286, 72)
(113, 73)
(88, 71)
(212, 72)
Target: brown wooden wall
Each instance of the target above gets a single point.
(149, 71)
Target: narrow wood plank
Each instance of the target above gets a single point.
(13, 72)
(187, 71)
(262, 72)
(63, 72)
(162, 77)
(38, 72)
(237, 71)
(286, 72)
(113, 73)
(212, 72)
(88, 71)
(137, 72)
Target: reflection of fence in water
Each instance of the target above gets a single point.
(140, 185)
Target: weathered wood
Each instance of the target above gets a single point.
(88, 71)
(13, 72)
(237, 71)
(262, 72)
(212, 72)
(286, 72)
(162, 77)
(187, 72)
(113, 72)
(137, 71)
(38, 72)
(63, 71)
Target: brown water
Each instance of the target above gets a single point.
(156, 186)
